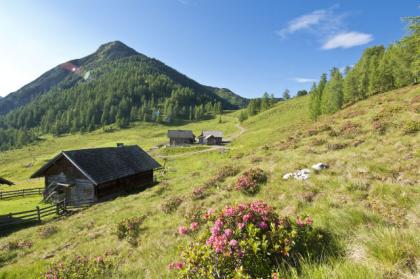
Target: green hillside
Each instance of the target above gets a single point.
(367, 199)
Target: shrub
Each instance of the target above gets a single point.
(350, 128)
(225, 172)
(317, 142)
(379, 126)
(194, 214)
(16, 244)
(199, 193)
(250, 240)
(250, 181)
(129, 229)
(81, 268)
(171, 204)
(411, 127)
(47, 231)
(336, 146)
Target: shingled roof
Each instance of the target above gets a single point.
(180, 134)
(6, 182)
(101, 165)
(216, 134)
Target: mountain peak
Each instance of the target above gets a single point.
(115, 49)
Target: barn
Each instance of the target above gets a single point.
(91, 175)
(211, 137)
(5, 182)
(181, 137)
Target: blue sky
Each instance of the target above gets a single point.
(247, 46)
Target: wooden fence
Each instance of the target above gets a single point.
(32, 216)
(21, 193)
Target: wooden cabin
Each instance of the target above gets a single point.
(6, 182)
(181, 137)
(211, 137)
(91, 175)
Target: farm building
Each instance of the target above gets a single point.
(211, 137)
(90, 175)
(181, 137)
(5, 182)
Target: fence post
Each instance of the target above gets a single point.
(23, 192)
(39, 214)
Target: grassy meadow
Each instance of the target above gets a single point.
(368, 198)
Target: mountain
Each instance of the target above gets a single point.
(67, 75)
(116, 84)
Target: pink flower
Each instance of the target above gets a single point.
(300, 222)
(229, 211)
(216, 229)
(263, 225)
(275, 275)
(194, 226)
(246, 217)
(309, 221)
(176, 265)
(228, 233)
(241, 225)
(233, 243)
(182, 230)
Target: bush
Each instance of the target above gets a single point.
(129, 229)
(225, 172)
(250, 240)
(379, 126)
(350, 128)
(199, 193)
(171, 204)
(336, 146)
(411, 127)
(250, 181)
(81, 268)
(47, 231)
(16, 244)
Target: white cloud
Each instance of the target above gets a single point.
(303, 22)
(347, 40)
(303, 80)
(328, 26)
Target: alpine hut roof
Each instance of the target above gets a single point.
(6, 182)
(101, 165)
(182, 134)
(216, 134)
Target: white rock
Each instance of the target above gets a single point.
(287, 176)
(320, 166)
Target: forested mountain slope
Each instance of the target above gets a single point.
(113, 85)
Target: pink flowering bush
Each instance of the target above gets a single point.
(80, 267)
(249, 240)
(250, 181)
(129, 229)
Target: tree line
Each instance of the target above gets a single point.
(379, 70)
(256, 106)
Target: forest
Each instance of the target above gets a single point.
(379, 70)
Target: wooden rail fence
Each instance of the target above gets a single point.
(21, 193)
(32, 216)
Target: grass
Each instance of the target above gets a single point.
(368, 198)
